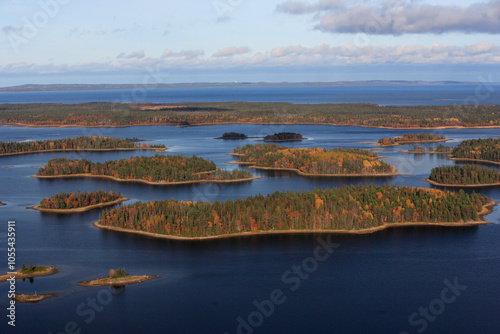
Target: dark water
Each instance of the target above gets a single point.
(369, 284)
(452, 94)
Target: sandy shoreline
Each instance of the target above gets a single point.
(155, 149)
(82, 209)
(49, 270)
(122, 281)
(434, 183)
(143, 181)
(22, 298)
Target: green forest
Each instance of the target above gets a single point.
(346, 208)
(72, 200)
(233, 135)
(478, 149)
(409, 138)
(441, 149)
(466, 174)
(284, 136)
(68, 144)
(314, 160)
(158, 168)
(185, 114)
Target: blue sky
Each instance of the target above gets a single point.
(125, 41)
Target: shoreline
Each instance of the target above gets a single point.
(81, 209)
(476, 160)
(155, 149)
(252, 123)
(278, 232)
(121, 281)
(250, 165)
(144, 181)
(425, 152)
(434, 183)
(414, 142)
(22, 298)
(49, 270)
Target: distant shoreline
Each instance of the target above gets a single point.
(462, 185)
(156, 149)
(143, 181)
(81, 209)
(401, 143)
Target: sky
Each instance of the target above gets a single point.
(173, 41)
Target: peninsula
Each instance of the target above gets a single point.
(485, 150)
(313, 161)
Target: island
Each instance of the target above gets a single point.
(441, 149)
(111, 114)
(22, 298)
(155, 170)
(464, 176)
(284, 137)
(2, 204)
(233, 135)
(411, 138)
(79, 202)
(117, 278)
(349, 209)
(313, 161)
(485, 150)
(30, 272)
(83, 143)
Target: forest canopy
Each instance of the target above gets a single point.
(487, 149)
(158, 168)
(315, 161)
(284, 136)
(346, 208)
(464, 175)
(77, 200)
(410, 138)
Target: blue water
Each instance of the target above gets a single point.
(451, 94)
(369, 284)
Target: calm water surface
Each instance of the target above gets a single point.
(369, 284)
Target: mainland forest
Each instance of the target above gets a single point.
(316, 161)
(410, 138)
(284, 136)
(69, 144)
(487, 149)
(186, 114)
(464, 175)
(77, 200)
(346, 208)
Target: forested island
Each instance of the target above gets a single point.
(83, 143)
(79, 202)
(158, 169)
(464, 176)
(313, 161)
(210, 113)
(233, 135)
(117, 278)
(481, 150)
(283, 137)
(441, 149)
(30, 272)
(354, 209)
(411, 138)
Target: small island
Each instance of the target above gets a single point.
(83, 143)
(284, 137)
(441, 149)
(117, 278)
(411, 138)
(313, 161)
(350, 209)
(79, 202)
(22, 298)
(464, 176)
(155, 170)
(2, 204)
(233, 135)
(30, 272)
(485, 150)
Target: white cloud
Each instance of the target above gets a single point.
(232, 51)
(187, 54)
(132, 55)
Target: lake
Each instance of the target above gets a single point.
(388, 282)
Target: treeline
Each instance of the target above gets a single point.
(72, 200)
(314, 160)
(356, 114)
(283, 136)
(478, 149)
(78, 143)
(440, 149)
(233, 135)
(346, 208)
(158, 168)
(410, 138)
(467, 174)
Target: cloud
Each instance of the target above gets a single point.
(133, 55)
(187, 54)
(400, 17)
(12, 30)
(232, 51)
